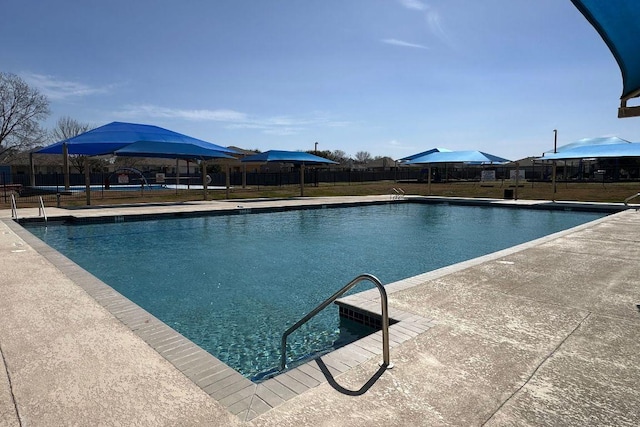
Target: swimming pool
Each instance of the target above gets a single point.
(234, 283)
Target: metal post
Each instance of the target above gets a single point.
(87, 180)
(205, 186)
(228, 178)
(65, 166)
(244, 175)
(32, 168)
(553, 172)
(517, 180)
(177, 175)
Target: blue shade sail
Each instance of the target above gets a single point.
(618, 23)
(295, 157)
(114, 136)
(424, 153)
(475, 157)
(171, 150)
(590, 142)
(596, 151)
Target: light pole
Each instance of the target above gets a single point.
(315, 151)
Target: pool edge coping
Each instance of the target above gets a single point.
(233, 391)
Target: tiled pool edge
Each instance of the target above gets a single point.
(233, 391)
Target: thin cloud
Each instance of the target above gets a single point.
(396, 42)
(57, 89)
(413, 4)
(434, 23)
(154, 111)
(277, 125)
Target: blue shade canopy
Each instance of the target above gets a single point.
(589, 142)
(171, 150)
(596, 151)
(295, 157)
(618, 23)
(475, 157)
(424, 153)
(117, 135)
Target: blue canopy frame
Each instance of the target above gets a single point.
(294, 157)
(618, 23)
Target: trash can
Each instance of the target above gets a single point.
(508, 193)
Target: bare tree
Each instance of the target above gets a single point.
(339, 156)
(363, 157)
(21, 110)
(66, 128)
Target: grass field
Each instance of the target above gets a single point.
(574, 191)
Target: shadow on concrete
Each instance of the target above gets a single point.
(362, 390)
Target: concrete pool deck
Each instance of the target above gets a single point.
(546, 333)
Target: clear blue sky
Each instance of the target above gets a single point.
(391, 77)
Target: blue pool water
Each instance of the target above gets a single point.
(233, 284)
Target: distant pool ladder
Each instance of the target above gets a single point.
(397, 193)
(14, 207)
(628, 199)
(332, 298)
(41, 211)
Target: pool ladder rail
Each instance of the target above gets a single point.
(628, 199)
(14, 207)
(397, 193)
(385, 319)
(42, 213)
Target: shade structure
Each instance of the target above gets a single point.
(596, 151)
(589, 142)
(618, 23)
(117, 135)
(295, 157)
(142, 141)
(424, 153)
(471, 157)
(171, 150)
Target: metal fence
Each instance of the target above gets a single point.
(51, 187)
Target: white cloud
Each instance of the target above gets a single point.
(403, 43)
(154, 111)
(56, 89)
(276, 125)
(413, 4)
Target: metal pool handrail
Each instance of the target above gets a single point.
(332, 298)
(41, 211)
(14, 208)
(628, 199)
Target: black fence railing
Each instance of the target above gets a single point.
(135, 183)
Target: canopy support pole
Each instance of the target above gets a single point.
(65, 165)
(228, 178)
(429, 178)
(205, 187)
(32, 170)
(244, 175)
(87, 180)
(517, 180)
(553, 180)
(301, 179)
(177, 175)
